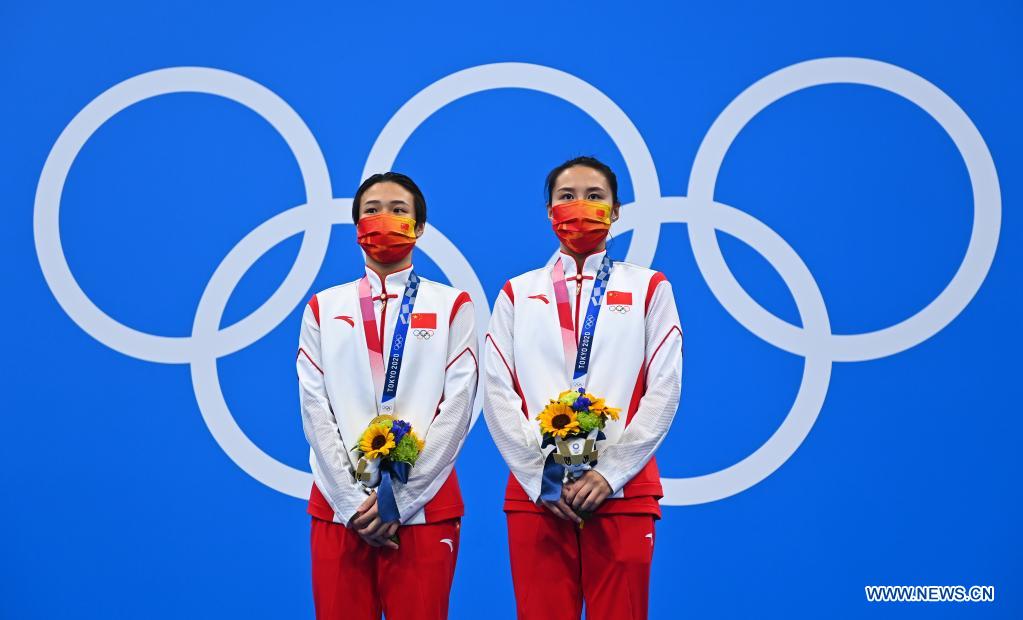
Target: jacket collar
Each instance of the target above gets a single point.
(590, 264)
(393, 283)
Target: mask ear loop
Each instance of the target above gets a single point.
(610, 237)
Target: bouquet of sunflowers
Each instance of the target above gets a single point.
(387, 451)
(387, 445)
(574, 423)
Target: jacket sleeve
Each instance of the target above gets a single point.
(335, 480)
(620, 462)
(503, 406)
(446, 435)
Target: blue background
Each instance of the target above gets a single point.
(119, 503)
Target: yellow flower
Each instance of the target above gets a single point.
(558, 420)
(376, 441)
(612, 412)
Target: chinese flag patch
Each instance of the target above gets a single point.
(424, 320)
(619, 298)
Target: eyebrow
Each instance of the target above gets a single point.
(588, 189)
(377, 202)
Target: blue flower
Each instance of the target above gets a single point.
(399, 429)
(581, 404)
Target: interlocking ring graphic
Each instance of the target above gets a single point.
(703, 215)
(619, 308)
(423, 334)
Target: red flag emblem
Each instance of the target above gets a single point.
(619, 298)
(424, 320)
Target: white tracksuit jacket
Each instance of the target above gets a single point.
(436, 390)
(636, 365)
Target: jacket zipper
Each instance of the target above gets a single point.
(579, 279)
(578, 297)
(383, 313)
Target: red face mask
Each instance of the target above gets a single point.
(385, 237)
(581, 224)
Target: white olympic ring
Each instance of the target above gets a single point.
(814, 341)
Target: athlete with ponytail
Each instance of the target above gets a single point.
(611, 329)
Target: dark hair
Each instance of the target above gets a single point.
(589, 162)
(392, 177)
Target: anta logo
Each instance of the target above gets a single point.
(346, 319)
(618, 301)
(423, 324)
(541, 297)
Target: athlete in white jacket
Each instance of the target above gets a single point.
(358, 570)
(634, 362)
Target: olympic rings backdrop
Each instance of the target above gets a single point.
(833, 194)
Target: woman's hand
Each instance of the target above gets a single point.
(561, 509)
(586, 493)
(369, 526)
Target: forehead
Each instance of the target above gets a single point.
(581, 177)
(386, 192)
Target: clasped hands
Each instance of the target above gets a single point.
(582, 495)
(370, 527)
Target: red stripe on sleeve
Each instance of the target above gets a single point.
(315, 305)
(656, 279)
(302, 351)
(637, 393)
(464, 351)
(507, 288)
(463, 298)
(514, 377)
(674, 328)
(640, 389)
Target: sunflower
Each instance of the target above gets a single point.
(558, 420)
(612, 412)
(376, 441)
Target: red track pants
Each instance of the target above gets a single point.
(555, 566)
(354, 581)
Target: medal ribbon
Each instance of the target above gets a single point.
(551, 479)
(581, 351)
(385, 378)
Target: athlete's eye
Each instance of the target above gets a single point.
(565, 196)
(595, 197)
